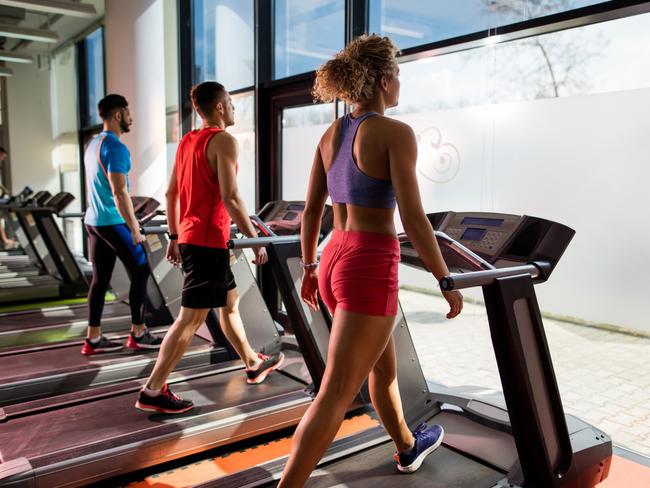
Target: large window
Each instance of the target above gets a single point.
(224, 50)
(65, 153)
(302, 128)
(553, 126)
(307, 33)
(224, 47)
(172, 122)
(244, 132)
(413, 22)
(94, 73)
(561, 110)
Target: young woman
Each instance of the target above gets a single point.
(366, 163)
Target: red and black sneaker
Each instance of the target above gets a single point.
(269, 363)
(165, 402)
(103, 345)
(145, 341)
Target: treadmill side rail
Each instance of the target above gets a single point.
(17, 473)
(108, 458)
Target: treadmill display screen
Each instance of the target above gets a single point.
(481, 221)
(473, 234)
(296, 207)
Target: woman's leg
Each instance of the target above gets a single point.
(356, 343)
(385, 396)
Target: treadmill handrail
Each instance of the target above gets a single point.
(445, 241)
(157, 229)
(261, 241)
(260, 224)
(457, 281)
(72, 215)
(150, 216)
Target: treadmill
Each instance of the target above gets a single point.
(52, 368)
(15, 259)
(62, 276)
(68, 322)
(68, 440)
(34, 372)
(518, 438)
(22, 265)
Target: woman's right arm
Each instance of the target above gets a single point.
(402, 153)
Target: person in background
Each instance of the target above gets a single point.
(7, 243)
(202, 197)
(113, 230)
(366, 163)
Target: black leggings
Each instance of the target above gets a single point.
(107, 243)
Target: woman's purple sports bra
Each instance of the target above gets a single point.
(346, 183)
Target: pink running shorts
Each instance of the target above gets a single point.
(358, 272)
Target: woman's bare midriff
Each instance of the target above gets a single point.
(352, 217)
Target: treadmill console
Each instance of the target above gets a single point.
(144, 205)
(60, 201)
(497, 239)
(484, 233)
(285, 217)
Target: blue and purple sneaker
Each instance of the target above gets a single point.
(427, 440)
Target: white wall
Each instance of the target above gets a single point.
(581, 161)
(30, 129)
(135, 68)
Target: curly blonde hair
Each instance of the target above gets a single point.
(353, 74)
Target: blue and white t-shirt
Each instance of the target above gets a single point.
(105, 154)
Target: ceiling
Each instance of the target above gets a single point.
(66, 26)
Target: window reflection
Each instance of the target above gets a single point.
(244, 132)
(302, 128)
(94, 73)
(412, 22)
(307, 33)
(224, 42)
(549, 126)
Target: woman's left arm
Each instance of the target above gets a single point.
(310, 228)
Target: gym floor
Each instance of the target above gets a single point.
(604, 377)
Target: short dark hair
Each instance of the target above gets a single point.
(205, 95)
(3, 150)
(109, 103)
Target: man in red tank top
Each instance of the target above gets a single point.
(202, 197)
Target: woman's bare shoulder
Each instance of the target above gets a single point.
(388, 128)
(329, 135)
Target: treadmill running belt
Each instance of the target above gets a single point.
(40, 374)
(57, 315)
(88, 427)
(375, 467)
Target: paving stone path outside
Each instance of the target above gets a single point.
(604, 377)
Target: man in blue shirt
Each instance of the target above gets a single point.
(113, 230)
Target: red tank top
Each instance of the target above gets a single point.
(204, 220)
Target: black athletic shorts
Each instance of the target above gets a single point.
(208, 276)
